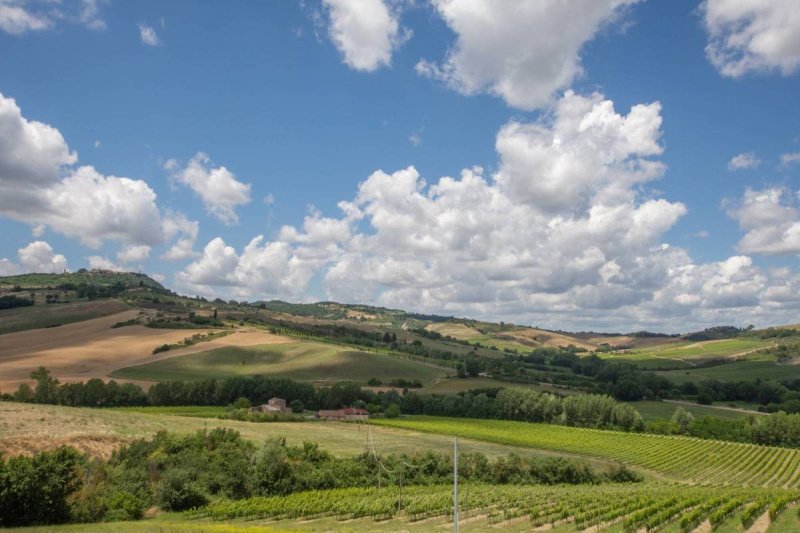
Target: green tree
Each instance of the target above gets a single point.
(682, 420)
(393, 411)
(46, 390)
(297, 406)
(24, 394)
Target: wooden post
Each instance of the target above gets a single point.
(455, 485)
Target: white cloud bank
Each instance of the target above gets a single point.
(16, 20)
(18, 17)
(37, 256)
(365, 32)
(561, 234)
(747, 36)
(771, 220)
(522, 51)
(40, 185)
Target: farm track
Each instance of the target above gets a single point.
(723, 407)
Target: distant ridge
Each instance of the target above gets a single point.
(83, 276)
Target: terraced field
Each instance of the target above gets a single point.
(300, 360)
(679, 458)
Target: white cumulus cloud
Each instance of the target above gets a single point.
(790, 158)
(748, 36)
(40, 185)
(744, 160)
(148, 35)
(522, 51)
(559, 229)
(37, 256)
(771, 220)
(18, 17)
(177, 225)
(103, 263)
(134, 254)
(30, 151)
(563, 234)
(218, 188)
(365, 32)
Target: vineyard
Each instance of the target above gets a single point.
(647, 506)
(679, 458)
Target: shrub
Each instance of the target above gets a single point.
(122, 505)
(34, 490)
(178, 491)
(242, 403)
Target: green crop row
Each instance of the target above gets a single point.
(681, 458)
(648, 506)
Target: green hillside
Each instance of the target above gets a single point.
(82, 276)
(302, 360)
(53, 315)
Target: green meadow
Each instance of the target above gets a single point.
(302, 361)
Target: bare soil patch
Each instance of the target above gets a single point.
(92, 348)
(546, 338)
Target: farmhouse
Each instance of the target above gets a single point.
(349, 413)
(274, 405)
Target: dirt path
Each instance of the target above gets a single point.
(674, 359)
(724, 408)
(761, 525)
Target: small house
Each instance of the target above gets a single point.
(274, 405)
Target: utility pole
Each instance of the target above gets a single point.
(455, 485)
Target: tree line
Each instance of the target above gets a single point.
(586, 410)
(780, 429)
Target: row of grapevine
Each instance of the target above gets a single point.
(681, 458)
(641, 506)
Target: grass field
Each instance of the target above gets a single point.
(651, 410)
(300, 360)
(686, 354)
(457, 385)
(27, 428)
(197, 411)
(679, 458)
(735, 371)
(52, 315)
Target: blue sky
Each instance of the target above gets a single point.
(609, 194)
